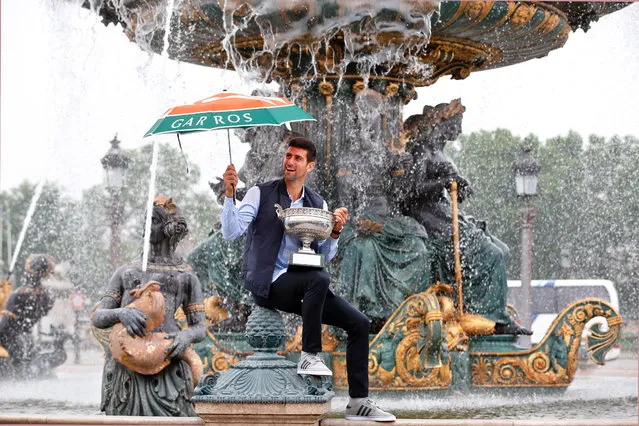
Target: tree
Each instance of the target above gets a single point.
(609, 240)
(78, 231)
(587, 213)
(199, 208)
(46, 232)
(485, 159)
(559, 222)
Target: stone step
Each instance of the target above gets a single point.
(126, 421)
(486, 422)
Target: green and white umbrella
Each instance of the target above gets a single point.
(228, 110)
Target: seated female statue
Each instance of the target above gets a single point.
(428, 200)
(385, 257)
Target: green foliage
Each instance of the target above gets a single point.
(587, 214)
(48, 228)
(485, 159)
(200, 209)
(78, 231)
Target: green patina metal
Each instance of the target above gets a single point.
(291, 40)
(551, 363)
(263, 377)
(494, 34)
(400, 353)
(493, 343)
(460, 370)
(218, 262)
(319, 74)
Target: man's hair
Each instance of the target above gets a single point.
(303, 143)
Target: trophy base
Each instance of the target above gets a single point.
(306, 260)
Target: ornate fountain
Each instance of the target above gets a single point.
(354, 65)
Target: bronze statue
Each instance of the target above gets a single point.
(428, 200)
(22, 310)
(133, 351)
(388, 255)
(168, 391)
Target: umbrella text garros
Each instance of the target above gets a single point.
(220, 120)
(228, 110)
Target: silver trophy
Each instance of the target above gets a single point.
(308, 224)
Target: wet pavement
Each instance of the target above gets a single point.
(608, 391)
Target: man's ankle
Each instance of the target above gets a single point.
(353, 401)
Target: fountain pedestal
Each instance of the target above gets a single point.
(262, 414)
(265, 387)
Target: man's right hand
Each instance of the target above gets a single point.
(230, 180)
(133, 320)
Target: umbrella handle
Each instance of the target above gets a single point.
(228, 138)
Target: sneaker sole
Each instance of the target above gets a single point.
(374, 419)
(314, 373)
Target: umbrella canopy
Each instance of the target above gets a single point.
(228, 110)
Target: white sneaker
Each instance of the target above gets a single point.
(312, 364)
(367, 410)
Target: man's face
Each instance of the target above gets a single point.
(296, 165)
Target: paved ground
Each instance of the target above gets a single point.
(76, 392)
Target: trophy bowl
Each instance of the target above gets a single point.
(306, 223)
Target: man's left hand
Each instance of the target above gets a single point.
(341, 216)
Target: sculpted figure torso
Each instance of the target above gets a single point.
(432, 173)
(25, 307)
(483, 255)
(385, 257)
(167, 393)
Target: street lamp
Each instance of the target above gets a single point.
(526, 170)
(115, 164)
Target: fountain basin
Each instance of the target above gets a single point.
(284, 40)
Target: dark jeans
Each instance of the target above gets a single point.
(305, 292)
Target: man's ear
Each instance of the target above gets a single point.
(310, 166)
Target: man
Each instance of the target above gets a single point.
(303, 291)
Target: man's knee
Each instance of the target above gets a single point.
(362, 323)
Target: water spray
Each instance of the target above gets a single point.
(149, 207)
(25, 225)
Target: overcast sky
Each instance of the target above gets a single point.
(68, 84)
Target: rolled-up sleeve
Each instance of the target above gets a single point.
(234, 219)
(327, 247)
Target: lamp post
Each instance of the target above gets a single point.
(115, 164)
(526, 170)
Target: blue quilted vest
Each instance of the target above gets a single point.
(264, 235)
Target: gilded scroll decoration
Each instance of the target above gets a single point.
(553, 361)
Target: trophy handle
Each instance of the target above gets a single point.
(279, 211)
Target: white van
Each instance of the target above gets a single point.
(550, 297)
